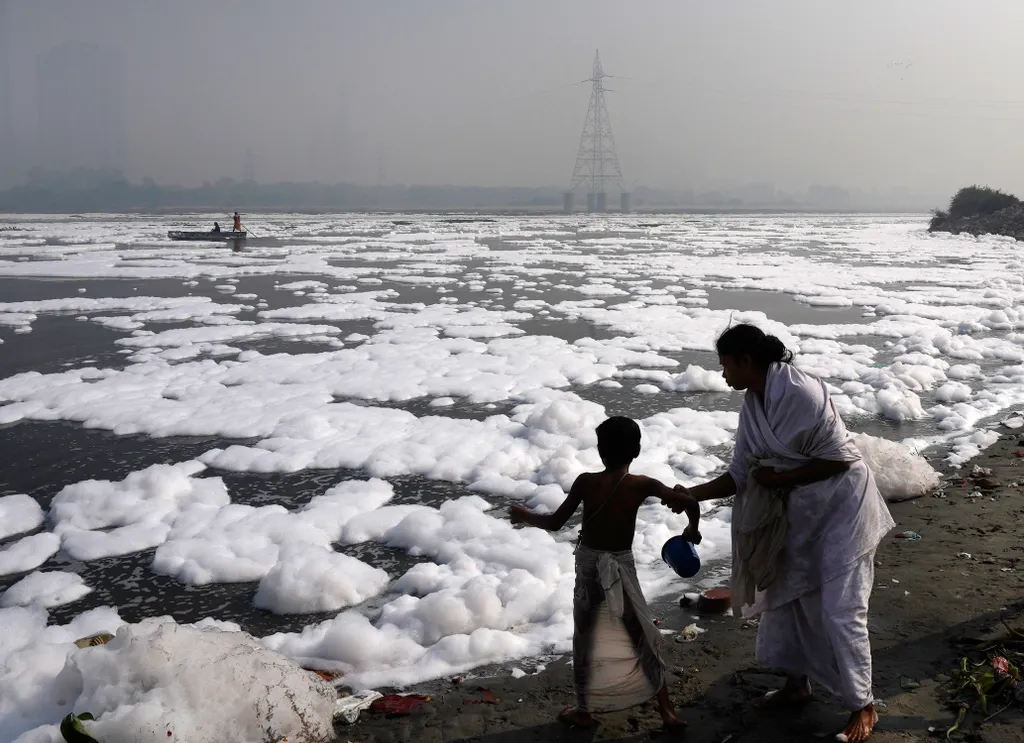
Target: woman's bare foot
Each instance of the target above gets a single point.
(796, 691)
(577, 718)
(861, 723)
(669, 721)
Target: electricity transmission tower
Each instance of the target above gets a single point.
(597, 164)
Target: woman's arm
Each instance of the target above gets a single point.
(721, 487)
(814, 471)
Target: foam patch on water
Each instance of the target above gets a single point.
(19, 513)
(315, 579)
(28, 553)
(100, 518)
(924, 331)
(46, 589)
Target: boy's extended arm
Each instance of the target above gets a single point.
(550, 521)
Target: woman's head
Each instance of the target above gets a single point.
(745, 353)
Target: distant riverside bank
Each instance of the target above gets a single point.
(979, 210)
(92, 191)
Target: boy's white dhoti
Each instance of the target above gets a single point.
(616, 663)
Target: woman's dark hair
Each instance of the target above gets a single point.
(749, 340)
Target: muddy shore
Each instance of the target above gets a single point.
(962, 578)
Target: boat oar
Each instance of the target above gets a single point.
(249, 229)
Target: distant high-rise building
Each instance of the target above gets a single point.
(249, 167)
(78, 99)
(8, 146)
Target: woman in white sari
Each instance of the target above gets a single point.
(807, 520)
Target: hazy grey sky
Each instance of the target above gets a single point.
(873, 93)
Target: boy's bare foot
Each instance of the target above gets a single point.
(861, 723)
(797, 691)
(575, 717)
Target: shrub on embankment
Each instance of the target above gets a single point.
(979, 210)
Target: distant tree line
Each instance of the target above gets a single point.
(103, 190)
(106, 191)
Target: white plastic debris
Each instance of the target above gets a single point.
(690, 633)
(347, 709)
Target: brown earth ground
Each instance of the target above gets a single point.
(928, 595)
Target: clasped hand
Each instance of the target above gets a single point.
(691, 533)
(769, 478)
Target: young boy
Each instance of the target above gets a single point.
(616, 663)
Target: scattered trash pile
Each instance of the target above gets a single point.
(990, 685)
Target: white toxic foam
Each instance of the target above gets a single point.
(898, 470)
(100, 518)
(311, 579)
(28, 553)
(46, 589)
(19, 513)
(142, 686)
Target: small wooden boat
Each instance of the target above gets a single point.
(223, 235)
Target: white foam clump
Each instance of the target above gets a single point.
(19, 513)
(487, 593)
(28, 553)
(696, 379)
(102, 518)
(146, 684)
(238, 542)
(898, 470)
(309, 579)
(499, 593)
(32, 654)
(46, 589)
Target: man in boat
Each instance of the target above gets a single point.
(216, 226)
(238, 223)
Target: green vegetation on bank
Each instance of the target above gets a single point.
(980, 210)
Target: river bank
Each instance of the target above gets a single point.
(927, 594)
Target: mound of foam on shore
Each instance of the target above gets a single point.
(899, 471)
(158, 681)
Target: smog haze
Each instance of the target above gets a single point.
(919, 94)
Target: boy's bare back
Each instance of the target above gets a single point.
(609, 518)
(612, 498)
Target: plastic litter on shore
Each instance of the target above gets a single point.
(398, 704)
(690, 633)
(347, 709)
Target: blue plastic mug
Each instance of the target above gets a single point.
(681, 556)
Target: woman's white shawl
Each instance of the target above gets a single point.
(830, 524)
